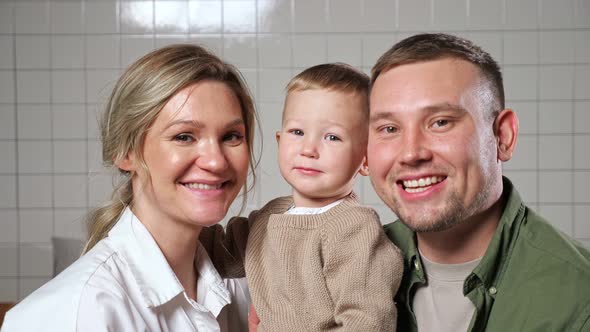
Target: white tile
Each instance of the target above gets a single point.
(6, 17)
(35, 191)
(36, 260)
(582, 13)
(240, 50)
(34, 156)
(272, 84)
(69, 223)
(100, 188)
(582, 116)
(7, 191)
(369, 194)
(556, 152)
(525, 183)
(101, 16)
(8, 160)
(94, 158)
(8, 286)
(374, 46)
(69, 157)
(103, 51)
(7, 87)
(33, 86)
(527, 116)
(520, 47)
(274, 51)
(581, 154)
(582, 187)
(137, 16)
(310, 16)
(581, 224)
(66, 17)
(486, 15)
(171, 16)
(205, 16)
(34, 121)
(555, 187)
(556, 82)
(134, 47)
(582, 77)
(70, 190)
(7, 52)
(582, 42)
(239, 16)
(344, 15)
(345, 48)
(93, 115)
(275, 16)
(251, 80)
(9, 259)
(213, 43)
(7, 121)
(31, 16)
(99, 84)
(450, 14)
(29, 285)
(556, 46)
(556, 14)
(36, 225)
(414, 15)
(279, 188)
(386, 215)
(67, 86)
(309, 50)
(560, 216)
(525, 156)
(166, 40)
(520, 83)
(555, 117)
(67, 52)
(8, 225)
(69, 121)
(491, 42)
(32, 52)
(521, 14)
(378, 16)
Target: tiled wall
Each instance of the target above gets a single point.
(58, 60)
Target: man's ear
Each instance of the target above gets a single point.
(364, 170)
(278, 136)
(127, 163)
(506, 132)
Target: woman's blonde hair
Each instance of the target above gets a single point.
(135, 102)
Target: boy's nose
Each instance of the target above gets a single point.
(309, 149)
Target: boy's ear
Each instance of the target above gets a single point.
(127, 163)
(506, 132)
(364, 170)
(278, 136)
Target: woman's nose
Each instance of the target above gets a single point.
(211, 156)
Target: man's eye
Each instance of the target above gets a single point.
(331, 137)
(441, 123)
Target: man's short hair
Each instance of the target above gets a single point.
(337, 76)
(434, 46)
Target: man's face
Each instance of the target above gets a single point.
(432, 150)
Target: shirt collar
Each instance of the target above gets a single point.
(210, 285)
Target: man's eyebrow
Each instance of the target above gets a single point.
(445, 107)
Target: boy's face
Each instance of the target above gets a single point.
(322, 145)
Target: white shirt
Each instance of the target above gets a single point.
(301, 210)
(125, 284)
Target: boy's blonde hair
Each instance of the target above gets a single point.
(336, 76)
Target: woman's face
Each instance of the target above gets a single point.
(197, 155)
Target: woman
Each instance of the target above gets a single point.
(179, 129)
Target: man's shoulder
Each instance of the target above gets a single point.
(400, 235)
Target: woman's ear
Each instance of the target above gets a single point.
(364, 170)
(506, 132)
(128, 163)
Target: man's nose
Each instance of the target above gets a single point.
(415, 148)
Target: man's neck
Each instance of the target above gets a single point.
(464, 242)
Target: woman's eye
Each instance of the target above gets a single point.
(233, 138)
(183, 138)
(331, 137)
(297, 132)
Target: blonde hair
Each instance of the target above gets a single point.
(135, 102)
(334, 77)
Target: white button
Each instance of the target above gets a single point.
(492, 290)
(416, 265)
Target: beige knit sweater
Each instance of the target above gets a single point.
(335, 271)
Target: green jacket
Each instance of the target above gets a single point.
(531, 278)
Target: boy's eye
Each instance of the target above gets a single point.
(389, 129)
(183, 138)
(331, 137)
(297, 132)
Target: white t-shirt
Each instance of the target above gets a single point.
(125, 284)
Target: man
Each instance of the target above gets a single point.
(476, 258)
